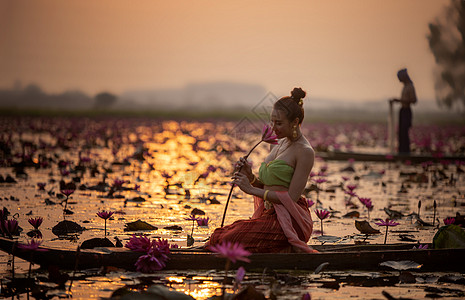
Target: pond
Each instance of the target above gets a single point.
(159, 171)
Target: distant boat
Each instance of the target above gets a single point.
(361, 156)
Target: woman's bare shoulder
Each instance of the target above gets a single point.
(306, 151)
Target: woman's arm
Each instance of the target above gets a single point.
(304, 164)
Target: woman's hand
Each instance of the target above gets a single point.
(242, 182)
(245, 167)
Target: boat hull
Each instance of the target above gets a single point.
(338, 257)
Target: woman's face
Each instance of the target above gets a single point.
(281, 125)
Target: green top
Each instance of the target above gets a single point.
(276, 172)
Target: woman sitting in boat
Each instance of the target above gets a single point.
(281, 221)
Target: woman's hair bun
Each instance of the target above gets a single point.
(298, 93)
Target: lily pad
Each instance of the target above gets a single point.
(173, 227)
(352, 214)
(365, 227)
(139, 225)
(197, 211)
(66, 227)
(401, 265)
(328, 238)
(96, 242)
(450, 236)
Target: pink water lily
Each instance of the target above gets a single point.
(203, 221)
(139, 243)
(151, 262)
(321, 214)
(9, 227)
(32, 245)
(157, 252)
(231, 251)
(388, 223)
(41, 185)
(268, 136)
(67, 192)
(310, 202)
(36, 222)
(105, 215)
(367, 203)
(449, 221)
(239, 277)
(423, 247)
(306, 296)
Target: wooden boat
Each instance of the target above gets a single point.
(357, 156)
(339, 257)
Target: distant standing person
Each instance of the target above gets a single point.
(407, 97)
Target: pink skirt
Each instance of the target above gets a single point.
(260, 235)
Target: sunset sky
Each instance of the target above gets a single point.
(339, 49)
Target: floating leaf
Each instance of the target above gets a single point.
(365, 227)
(66, 227)
(96, 242)
(393, 214)
(352, 214)
(328, 238)
(190, 240)
(401, 265)
(173, 227)
(197, 211)
(321, 267)
(450, 236)
(139, 225)
(137, 199)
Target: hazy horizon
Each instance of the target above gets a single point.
(345, 50)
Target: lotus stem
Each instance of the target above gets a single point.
(434, 211)
(419, 206)
(232, 187)
(321, 227)
(385, 236)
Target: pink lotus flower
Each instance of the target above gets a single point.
(157, 253)
(310, 202)
(231, 251)
(32, 245)
(367, 203)
(351, 187)
(322, 214)
(388, 223)
(423, 247)
(267, 135)
(41, 185)
(67, 193)
(118, 183)
(149, 263)
(239, 277)
(105, 215)
(306, 296)
(320, 180)
(344, 178)
(36, 222)
(162, 246)
(140, 243)
(9, 227)
(449, 221)
(203, 221)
